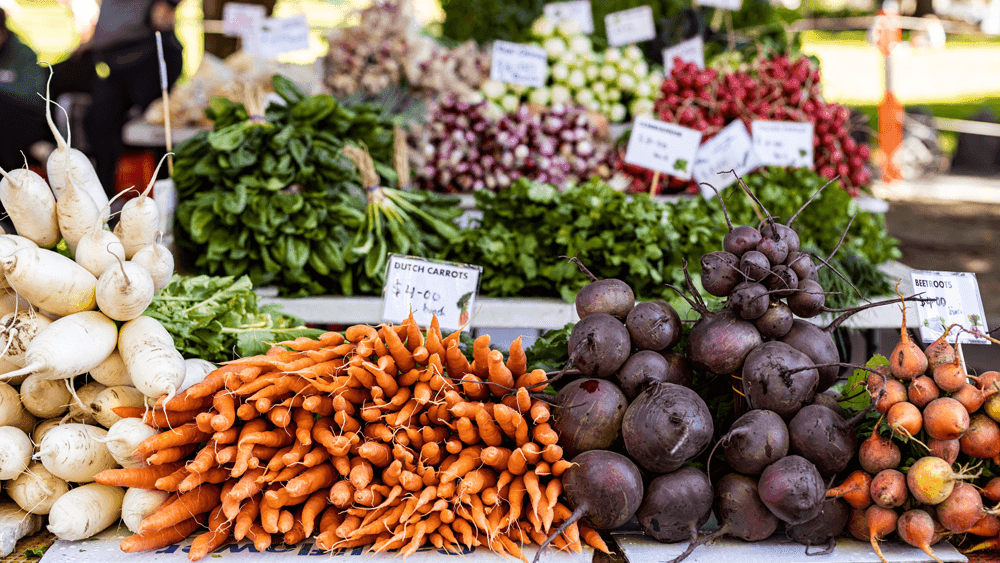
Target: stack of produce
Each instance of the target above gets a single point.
(463, 149)
(775, 88)
(386, 48)
(274, 197)
(616, 83)
(59, 313)
(385, 437)
(933, 418)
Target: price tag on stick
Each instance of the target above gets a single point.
(690, 51)
(956, 301)
(783, 143)
(630, 26)
(729, 149)
(663, 147)
(577, 11)
(514, 63)
(429, 288)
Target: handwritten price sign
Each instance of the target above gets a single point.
(783, 143)
(429, 288)
(663, 147)
(630, 26)
(514, 63)
(956, 301)
(578, 11)
(730, 149)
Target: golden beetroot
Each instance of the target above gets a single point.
(982, 440)
(922, 390)
(907, 360)
(946, 419)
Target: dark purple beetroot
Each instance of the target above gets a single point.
(679, 372)
(801, 264)
(750, 300)
(610, 296)
(651, 327)
(757, 439)
(755, 266)
(829, 402)
(776, 322)
(666, 426)
(741, 239)
(740, 512)
(823, 437)
(588, 415)
(641, 370)
(676, 505)
(783, 282)
(793, 489)
(604, 488)
(809, 300)
(818, 345)
(599, 345)
(824, 528)
(767, 385)
(720, 273)
(785, 233)
(719, 342)
(776, 250)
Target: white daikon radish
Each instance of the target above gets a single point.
(154, 364)
(158, 261)
(43, 427)
(70, 346)
(9, 244)
(140, 503)
(195, 370)
(112, 397)
(77, 213)
(73, 452)
(123, 293)
(111, 371)
(79, 406)
(45, 398)
(68, 161)
(124, 436)
(50, 281)
(140, 219)
(17, 331)
(99, 248)
(85, 511)
(15, 452)
(29, 203)
(36, 490)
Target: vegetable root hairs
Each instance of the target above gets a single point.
(749, 193)
(850, 311)
(583, 268)
(577, 514)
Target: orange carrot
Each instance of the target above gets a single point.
(517, 361)
(535, 381)
(544, 434)
(512, 423)
(170, 455)
(180, 436)
(155, 539)
(457, 363)
(501, 380)
(198, 501)
(480, 355)
(142, 478)
(539, 412)
(219, 530)
(225, 403)
(245, 518)
(593, 538)
(214, 476)
(400, 354)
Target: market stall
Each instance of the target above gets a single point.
(300, 343)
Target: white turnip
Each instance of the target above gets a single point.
(17, 331)
(80, 406)
(50, 281)
(36, 490)
(158, 261)
(45, 398)
(123, 293)
(140, 503)
(30, 205)
(72, 452)
(85, 511)
(107, 400)
(154, 365)
(122, 439)
(77, 213)
(111, 371)
(15, 452)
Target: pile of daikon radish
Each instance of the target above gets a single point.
(58, 322)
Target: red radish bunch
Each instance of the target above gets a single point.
(776, 88)
(463, 150)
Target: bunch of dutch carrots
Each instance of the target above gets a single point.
(385, 437)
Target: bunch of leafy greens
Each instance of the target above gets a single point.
(273, 197)
(525, 230)
(218, 318)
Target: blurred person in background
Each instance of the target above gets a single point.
(22, 111)
(118, 67)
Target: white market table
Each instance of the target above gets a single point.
(140, 133)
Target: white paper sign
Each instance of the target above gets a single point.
(733, 5)
(664, 147)
(278, 36)
(514, 63)
(783, 143)
(957, 301)
(578, 11)
(729, 149)
(239, 19)
(630, 26)
(690, 51)
(429, 288)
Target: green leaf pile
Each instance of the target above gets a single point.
(272, 197)
(219, 318)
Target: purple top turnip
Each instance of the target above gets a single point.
(666, 426)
